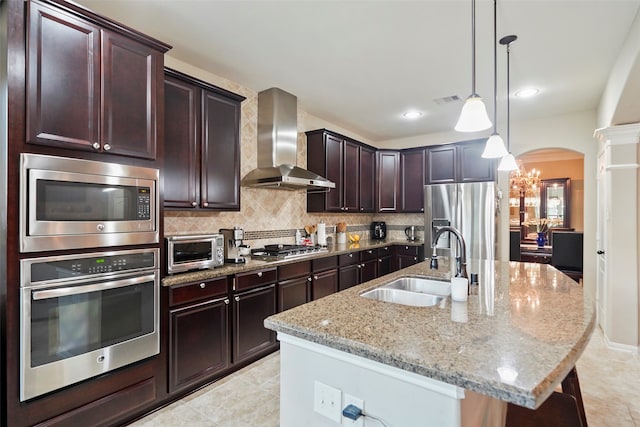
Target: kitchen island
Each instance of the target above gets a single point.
(521, 332)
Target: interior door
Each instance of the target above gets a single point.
(601, 239)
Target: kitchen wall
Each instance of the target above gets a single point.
(267, 215)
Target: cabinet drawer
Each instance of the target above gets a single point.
(348, 259)
(289, 271)
(325, 263)
(196, 291)
(255, 278)
(384, 251)
(368, 254)
(407, 250)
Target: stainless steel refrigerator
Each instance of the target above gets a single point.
(469, 207)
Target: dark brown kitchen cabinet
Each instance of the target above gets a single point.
(294, 285)
(254, 299)
(202, 144)
(90, 88)
(250, 308)
(412, 179)
(367, 179)
(199, 342)
(324, 277)
(459, 162)
(407, 255)
(198, 332)
(347, 163)
(385, 261)
(388, 177)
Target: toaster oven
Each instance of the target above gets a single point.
(186, 253)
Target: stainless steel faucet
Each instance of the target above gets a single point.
(461, 260)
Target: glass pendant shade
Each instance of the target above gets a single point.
(508, 163)
(494, 148)
(474, 116)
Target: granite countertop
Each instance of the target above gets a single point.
(251, 264)
(522, 330)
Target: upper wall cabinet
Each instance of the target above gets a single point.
(349, 164)
(388, 174)
(89, 87)
(412, 179)
(202, 145)
(460, 162)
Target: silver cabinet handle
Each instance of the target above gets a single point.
(315, 277)
(107, 147)
(259, 273)
(194, 204)
(96, 145)
(202, 286)
(226, 301)
(406, 248)
(370, 251)
(205, 204)
(379, 260)
(361, 209)
(415, 258)
(309, 279)
(350, 255)
(237, 299)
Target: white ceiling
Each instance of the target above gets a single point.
(361, 64)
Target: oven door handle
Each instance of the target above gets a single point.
(74, 290)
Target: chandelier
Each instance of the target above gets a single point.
(523, 182)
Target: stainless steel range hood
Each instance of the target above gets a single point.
(277, 144)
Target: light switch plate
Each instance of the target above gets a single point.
(327, 401)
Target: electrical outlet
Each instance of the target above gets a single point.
(351, 400)
(327, 400)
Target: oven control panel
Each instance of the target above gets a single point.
(87, 265)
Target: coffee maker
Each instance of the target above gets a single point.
(232, 241)
(378, 230)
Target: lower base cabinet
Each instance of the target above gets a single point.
(199, 340)
(324, 283)
(250, 308)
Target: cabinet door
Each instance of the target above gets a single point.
(250, 308)
(349, 276)
(220, 155)
(325, 283)
(351, 183)
(63, 80)
(471, 166)
(129, 96)
(198, 342)
(406, 261)
(388, 169)
(412, 165)
(294, 292)
(334, 163)
(367, 179)
(181, 134)
(442, 167)
(385, 265)
(368, 270)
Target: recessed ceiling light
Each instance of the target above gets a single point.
(412, 114)
(527, 92)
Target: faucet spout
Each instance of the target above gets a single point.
(461, 261)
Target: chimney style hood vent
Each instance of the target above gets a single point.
(277, 146)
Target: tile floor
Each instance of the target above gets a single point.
(610, 383)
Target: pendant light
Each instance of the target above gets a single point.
(494, 148)
(474, 116)
(508, 162)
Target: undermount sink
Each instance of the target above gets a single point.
(411, 290)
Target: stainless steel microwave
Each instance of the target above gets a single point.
(68, 203)
(186, 253)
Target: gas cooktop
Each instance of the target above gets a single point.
(282, 252)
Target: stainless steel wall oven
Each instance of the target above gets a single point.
(84, 315)
(68, 203)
